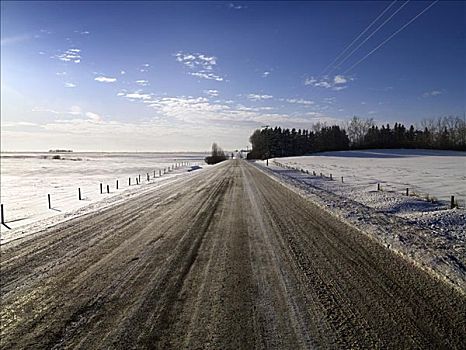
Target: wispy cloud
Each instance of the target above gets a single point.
(300, 101)
(142, 82)
(236, 7)
(73, 110)
(336, 83)
(96, 118)
(135, 95)
(206, 75)
(102, 79)
(14, 39)
(70, 85)
(211, 93)
(265, 74)
(258, 97)
(144, 68)
(44, 110)
(200, 65)
(432, 93)
(70, 55)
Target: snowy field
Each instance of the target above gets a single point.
(428, 232)
(27, 179)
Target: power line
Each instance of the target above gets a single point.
(361, 34)
(390, 37)
(370, 36)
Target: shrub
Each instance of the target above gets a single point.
(217, 155)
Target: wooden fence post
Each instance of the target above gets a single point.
(108, 188)
(452, 202)
(117, 184)
(148, 179)
(160, 172)
(3, 215)
(129, 181)
(79, 193)
(342, 179)
(378, 187)
(50, 201)
(139, 178)
(331, 178)
(407, 191)
(101, 191)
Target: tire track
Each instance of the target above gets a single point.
(229, 259)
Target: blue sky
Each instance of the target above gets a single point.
(161, 76)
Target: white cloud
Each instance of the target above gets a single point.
(265, 74)
(300, 101)
(102, 79)
(70, 55)
(197, 60)
(46, 110)
(70, 85)
(236, 7)
(122, 72)
(60, 73)
(337, 83)
(339, 79)
(432, 93)
(310, 81)
(257, 97)
(137, 96)
(204, 75)
(142, 82)
(94, 117)
(145, 68)
(75, 110)
(200, 65)
(211, 93)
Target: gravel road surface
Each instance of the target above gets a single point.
(227, 259)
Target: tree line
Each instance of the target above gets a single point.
(446, 133)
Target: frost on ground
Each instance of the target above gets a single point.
(430, 234)
(26, 179)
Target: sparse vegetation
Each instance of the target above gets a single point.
(217, 155)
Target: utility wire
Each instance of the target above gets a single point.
(370, 36)
(391, 36)
(357, 38)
